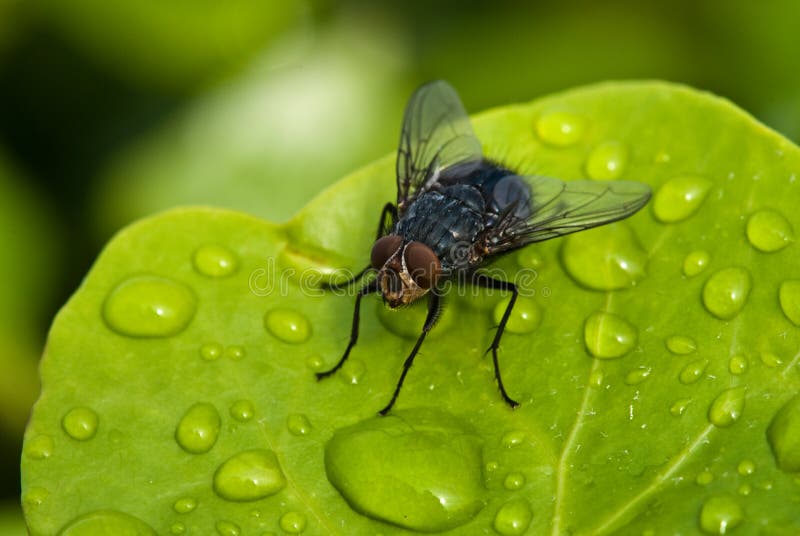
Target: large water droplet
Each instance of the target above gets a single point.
(149, 306)
(513, 518)
(695, 262)
(298, 424)
(287, 325)
(693, 371)
(560, 129)
(198, 429)
(608, 336)
(525, 316)
(107, 522)
(783, 435)
(293, 522)
(679, 198)
(726, 291)
(215, 261)
(606, 258)
(424, 459)
(39, 447)
(242, 410)
(249, 476)
(737, 365)
(80, 423)
(720, 514)
(789, 297)
(681, 344)
(769, 231)
(184, 505)
(514, 481)
(227, 528)
(727, 407)
(607, 161)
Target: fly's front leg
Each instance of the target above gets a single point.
(496, 284)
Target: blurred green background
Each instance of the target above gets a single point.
(113, 110)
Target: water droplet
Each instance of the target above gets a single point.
(288, 326)
(235, 352)
(184, 505)
(80, 423)
(720, 514)
(789, 296)
(560, 129)
(514, 481)
(746, 467)
(177, 528)
(352, 371)
(227, 528)
(662, 157)
(39, 447)
(106, 522)
(745, 490)
(298, 424)
(637, 375)
(769, 231)
(34, 496)
(770, 360)
(492, 466)
(681, 345)
(693, 371)
(608, 336)
(407, 322)
(607, 161)
(727, 407)
(211, 351)
(514, 438)
(606, 258)
(725, 292)
(704, 478)
(198, 429)
(315, 362)
(783, 436)
(679, 198)
(215, 261)
(737, 365)
(695, 262)
(242, 410)
(423, 458)
(293, 522)
(529, 258)
(525, 316)
(679, 406)
(249, 476)
(513, 518)
(149, 306)
(596, 378)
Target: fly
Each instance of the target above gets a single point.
(457, 210)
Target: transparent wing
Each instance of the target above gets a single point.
(556, 208)
(436, 135)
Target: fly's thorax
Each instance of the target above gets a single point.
(407, 270)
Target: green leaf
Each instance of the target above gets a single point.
(656, 361)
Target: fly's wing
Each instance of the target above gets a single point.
(556, 208)
(436, 135)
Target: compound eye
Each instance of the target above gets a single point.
(423, 264)
(384, 248)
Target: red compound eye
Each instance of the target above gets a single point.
(384, 248)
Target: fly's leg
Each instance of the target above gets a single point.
(434, 309)
(496, 284)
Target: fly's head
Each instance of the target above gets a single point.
(406, 270)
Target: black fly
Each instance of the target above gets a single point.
(456, 211)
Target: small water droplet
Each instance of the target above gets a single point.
(606, 258)
(513, 438)
(695, 262)
(608, 336)
(596, 378)
(679, 198)
(298, 424)
(177, 528)
(352, 371)
(607, 161)
(679, 406)
(198, 429)
(492, 466)
(769, 231)
(662, 157)
(106, 522)
(766, 485)
(637, 375)
(293, 522)
(725, 292)
(211, 351)
(288, 326)
(789, 297)
(560, 129)
(149, 306)
(34, 496)
(530, 258)
(184, 505)
(704, 478)
(227, 528)
(248, 476)
(39, 447)
(770, 360)
(525, 316)
(737, 365)
(80, 423)
(745, 490)
(215, 261)
(235, 352)
(242, 410)
(514, 481)
(746, 467)
(681, 344)
(315, 362)
(727, 407)
(720, 514)
(783, 436)
(513, 518)
(693, 371)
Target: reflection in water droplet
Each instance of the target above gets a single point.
(679, 406)
(746, 467)
(242, 410)
(227, 528)
(40, 447)
(608, 336)
(704, 478)
(80, 423)
(693, 371)
(769, 231)
(513, 518)
(637, 375)
(605, 258)
(288, 326)
(352, 371)
(783, 436)
(235, 352)
(695, 262)
(607, 161)
(298, 424)
(215, 261)
(525, 316)
(249, 476)
(184, 505)
(720, 514)
(727, 407)
(679, 198)
(514, 481)
(725, 292)
(149, 306)
(560, 129)
(106, 522)
(211, 351)
(789, 297)
(198, 429)
(771, 360)
(737, 365)
(513, 438)
(681, 345)
(293, 522)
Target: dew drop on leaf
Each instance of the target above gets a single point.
(514, 481)
(529, 258)
(80, 423)
(198, 429)
(227, 528)
(149, 306)
(242, 410)
(352, 371)
(235, 352)
(704, 478)
(248, 476)
(215, 261)
(106, 522)
(211, 351)
(184, 505)
(34, 496)
(293, 522)
(745, 490)
(607, 161)
(681, 344)
(783, 435)
(525, 317)
(727, 407)
(746, 467)
(177, 528)
(679, 198)
(513, 438)
(695, 262)
(605, 258)
(39, 447)
(298, 424)
(315, 362)
(637, 375)
(513, 518)
(679, 406)
(789, 297)
(769, 231)
(770, 359)
(720, 514)
(596, 378)
(737, 365)
(287, 325)
(693, 371)
(560, 129)
(608, 336)
(726, 291)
